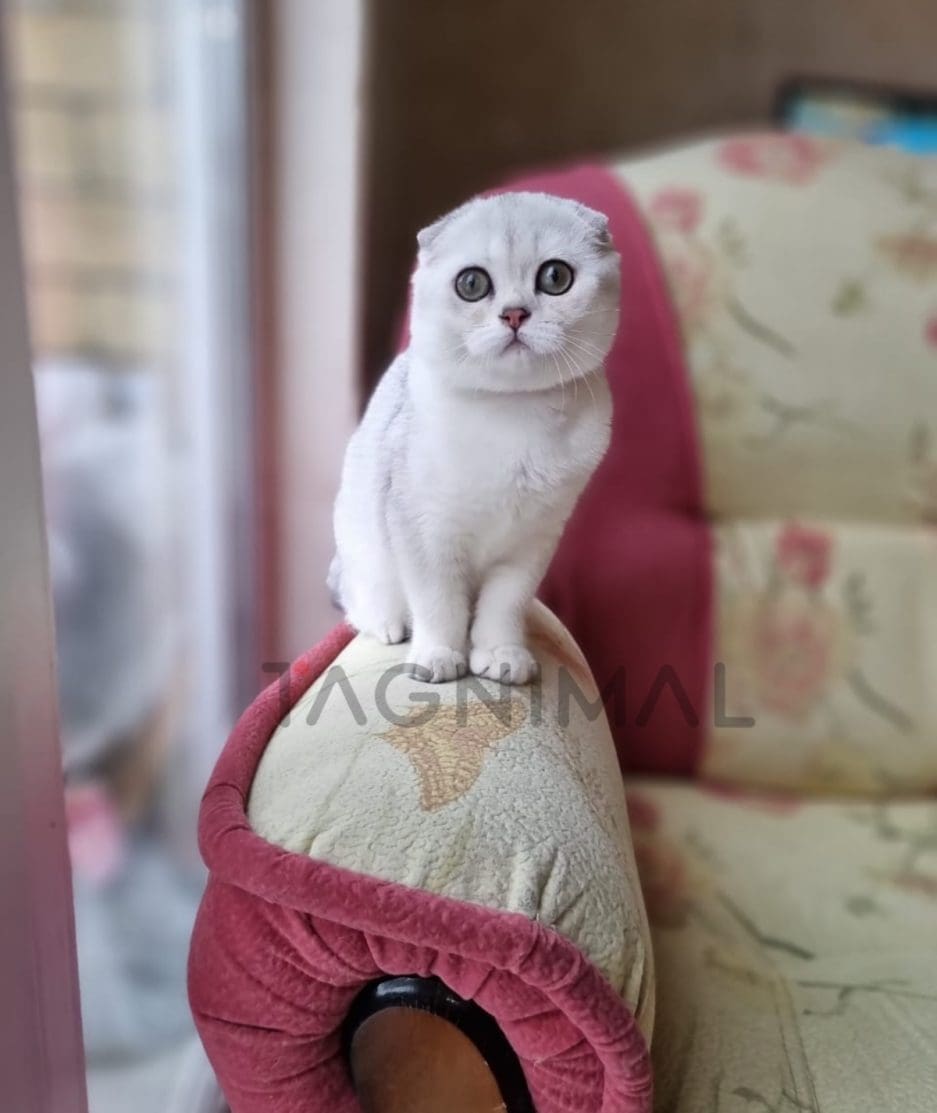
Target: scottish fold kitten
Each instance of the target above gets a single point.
(481, 436)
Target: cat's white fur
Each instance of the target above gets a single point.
(471, 455)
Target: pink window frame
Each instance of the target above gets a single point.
(41, 1054)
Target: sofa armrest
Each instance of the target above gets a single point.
(385, 827)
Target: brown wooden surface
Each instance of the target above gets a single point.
(406, 1061)
(459, 95)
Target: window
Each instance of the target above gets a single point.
(131, 138)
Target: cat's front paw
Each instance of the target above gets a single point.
(437, 665)
(392, 632)
(510, 664)
(389, 628)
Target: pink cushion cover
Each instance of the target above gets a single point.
(283, 943)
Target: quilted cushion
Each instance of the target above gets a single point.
(763, 526)
(828, 635)
(796, 950)
(804, 274)
(360, 823)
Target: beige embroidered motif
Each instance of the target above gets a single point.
(448, 746)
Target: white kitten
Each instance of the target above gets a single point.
(481, 436)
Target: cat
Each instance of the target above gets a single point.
(481, 436)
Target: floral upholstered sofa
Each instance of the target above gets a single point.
(790, 875)
(751, 577)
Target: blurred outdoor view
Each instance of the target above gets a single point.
(129, 122)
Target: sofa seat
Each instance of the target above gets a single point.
(796, 950)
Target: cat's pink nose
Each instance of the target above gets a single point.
(515, 317)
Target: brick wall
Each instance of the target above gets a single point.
(94, 119)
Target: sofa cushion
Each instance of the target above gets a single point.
(827, 635)
(804, 275)
(759, 541)
(796, 950)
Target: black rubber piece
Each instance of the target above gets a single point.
(430, 995)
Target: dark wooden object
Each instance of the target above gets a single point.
(415, 1047)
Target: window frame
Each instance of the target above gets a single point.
(41, 1052)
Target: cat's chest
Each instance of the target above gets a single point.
(514, 454)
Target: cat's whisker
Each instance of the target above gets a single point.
(587, 347)
(587, 379)
(574, 334)
(585, 359)
(562, 381)
(602, 310)
(571, 361)
(588, 382)
(573, 371)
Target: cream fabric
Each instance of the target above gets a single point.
(828, 634)
(796, 939)
(804, 274)
(796, 950)
(495, 796)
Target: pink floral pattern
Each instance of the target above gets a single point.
(697, 281)
(677, 207)
(789, 645)
(795, 358)
(804, 555)
(702, 272)
(796, 619)
(694, 280)
(791, 158)
(798, 652)
(912, 254)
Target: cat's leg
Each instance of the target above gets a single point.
(374, 600)
(498, 649)
(381, 611)
(437, 595)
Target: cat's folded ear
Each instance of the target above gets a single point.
(598, 224)
(427, 237)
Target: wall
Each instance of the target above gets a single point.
(459, 94)
(315, 57)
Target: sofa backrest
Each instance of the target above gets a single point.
(800, 550)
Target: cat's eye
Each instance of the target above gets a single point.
(554, 277)
(472, 284)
